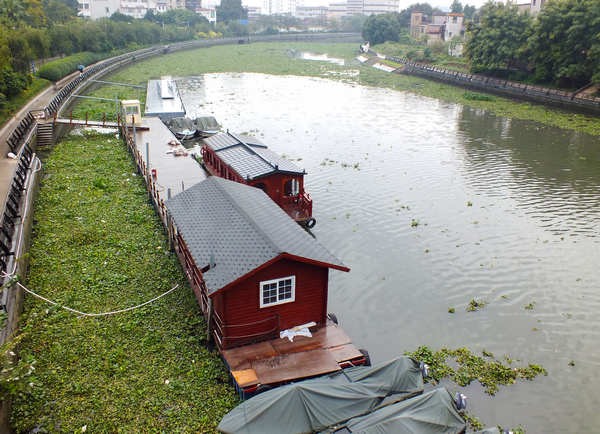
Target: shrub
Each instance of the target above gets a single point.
(13, 83)
(59, 68)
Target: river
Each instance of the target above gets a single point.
(505, 211)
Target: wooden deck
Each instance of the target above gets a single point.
(176, 173)
(279, 361)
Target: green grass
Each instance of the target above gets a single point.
(274, 58)
(98, 246)
(13, 105)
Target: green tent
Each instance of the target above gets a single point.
(319, 403)
(431, 413)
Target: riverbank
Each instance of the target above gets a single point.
(98, 246)
(278, 58)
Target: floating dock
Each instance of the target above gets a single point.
(172, 172)
(163, 99)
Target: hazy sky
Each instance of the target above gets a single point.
(442, 4)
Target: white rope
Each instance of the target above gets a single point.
(96, 314)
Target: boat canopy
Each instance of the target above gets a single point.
(431, 413)
(322, 402)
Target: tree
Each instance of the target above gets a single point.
(380, 28)
(564, 46)
(231, 10)
(498, 41)
(469, 11)
(404, 17)
(35, 16)
(12, 13)
(119, 17)
(456, 7)
(58, 13)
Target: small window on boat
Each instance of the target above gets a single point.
(291, 187)
(277, 291)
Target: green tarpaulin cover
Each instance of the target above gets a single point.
(431, 413)
(316, 404)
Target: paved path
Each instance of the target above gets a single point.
(8, 165)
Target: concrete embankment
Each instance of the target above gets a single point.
(578, 101)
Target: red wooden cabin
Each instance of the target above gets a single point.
(246, 160)
(253, 270)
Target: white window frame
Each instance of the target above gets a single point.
(278, 302)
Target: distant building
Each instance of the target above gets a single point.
(96, 9)
(438, 27)
(372, 7)
(336, 11)
(454, 26)
(253, 12)
(193, 5)
(209, 13)
(533, 6)
(279, 7)
(316, 13)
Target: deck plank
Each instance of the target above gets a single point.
(329, 336)
(345, 352)
(171, 170)
(241, 357)
(288, 367)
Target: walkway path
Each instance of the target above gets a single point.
(8, 165)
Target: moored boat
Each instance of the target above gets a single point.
(246, 160)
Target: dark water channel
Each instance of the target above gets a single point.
(378, 159)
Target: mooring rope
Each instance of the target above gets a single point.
(96, 314)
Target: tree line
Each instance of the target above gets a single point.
(560, 45)
(39, 29)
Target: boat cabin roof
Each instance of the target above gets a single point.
(233, 230)
(250, 158)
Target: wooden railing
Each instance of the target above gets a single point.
(231, 335)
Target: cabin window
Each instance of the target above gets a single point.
(277, 291)
(291, 187)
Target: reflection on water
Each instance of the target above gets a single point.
(508, 211)
(305, 55)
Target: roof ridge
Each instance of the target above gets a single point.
(249, 218)
(252, 151)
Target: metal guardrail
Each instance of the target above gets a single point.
(503, 87)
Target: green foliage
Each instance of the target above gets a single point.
(13, 83)
(475, 305)
(473, 96)
(469, 367)
(456, 7)
(97, 246)
(564, 46)
(119, 17)
(497, 42)
(57, 69)
(469, 11)
(231, 10)
(378, 29)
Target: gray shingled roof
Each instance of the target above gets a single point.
(248, 156)
(241, 228)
